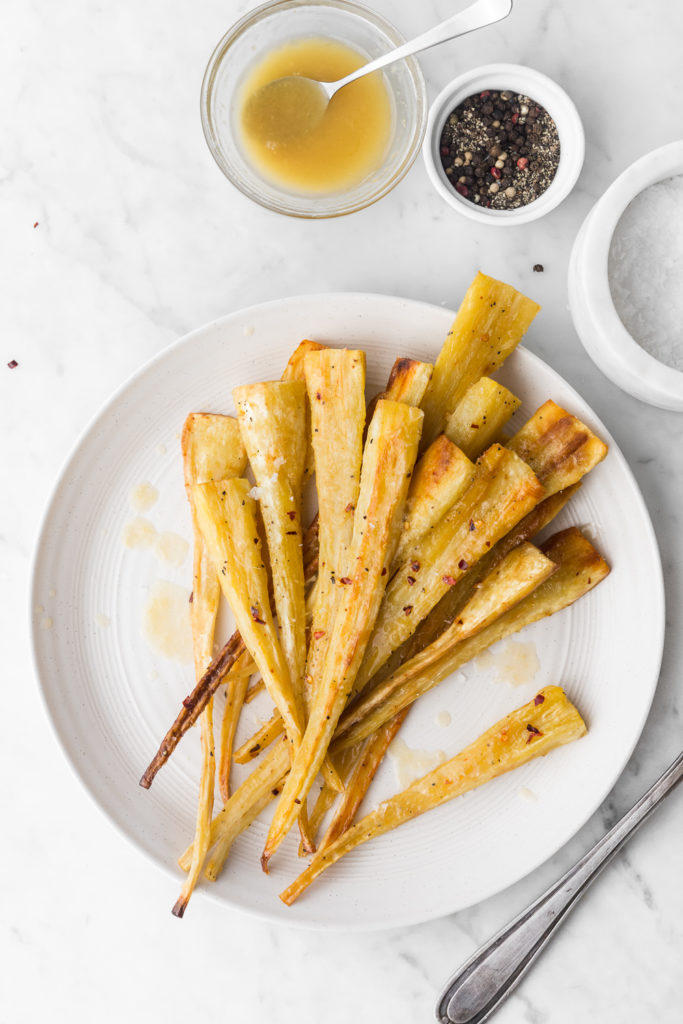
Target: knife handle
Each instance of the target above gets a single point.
(478, 989)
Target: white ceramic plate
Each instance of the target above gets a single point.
(111, 698)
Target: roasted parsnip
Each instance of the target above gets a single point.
(442, 474)
(366, 763)
(390, 451)
(559, 447)
(579, 569)
(237, 683)
(548, 721)
(226, 513)
(502, 491)
(294, 370)
(480, 415)
(272, 419)
(211, 448)
(335, 382)
(408, 382)
(490, 323)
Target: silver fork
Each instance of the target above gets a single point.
(474, 994)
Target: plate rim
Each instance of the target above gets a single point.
(209, 892)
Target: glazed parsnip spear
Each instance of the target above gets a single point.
(326, 797)
(442, 474)
(244, 805)
(579, 569)
(548, 721)
(408, 381)
(480, 415)
(502, 491)
(489, 325)
(388, 460)
(335, 382)
(235, 694)
(227, 519)
(366, 763)
(519, 573)
(272, 418)
(258, 741)
(294, 370)
(559, 447)
(211, 447)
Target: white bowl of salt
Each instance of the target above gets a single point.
(626, 279)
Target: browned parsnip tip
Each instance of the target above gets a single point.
(193, 706)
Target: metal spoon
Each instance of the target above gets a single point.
(474, 994)
(292, 106)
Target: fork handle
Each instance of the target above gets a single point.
(477, 990)
(478, 15)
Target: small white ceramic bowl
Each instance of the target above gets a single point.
(596, 320)
(528, 82)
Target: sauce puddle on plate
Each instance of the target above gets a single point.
(343, 147)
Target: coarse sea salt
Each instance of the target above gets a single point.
(646, 270)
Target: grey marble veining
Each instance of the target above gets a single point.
(138, 239)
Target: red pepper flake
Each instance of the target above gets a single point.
(533, 732)
(449, 580)
(408, 609)
(474, 426)
(350, 507)
(318, 395)
(292, 514)
(13, 364)
(188, 702)
(345, 580)
(410, 580)
(255, 615)
(495, 173)
(319, 634)
(472, 526)
(539, 698)
(296, 800)
(36, 224)
(191, 597)
(515, 117)
(415, 566)
(290, 533)
(462, 564)
(384, 571)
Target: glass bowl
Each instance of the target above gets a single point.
(283, 21)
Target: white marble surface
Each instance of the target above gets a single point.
(137, 239)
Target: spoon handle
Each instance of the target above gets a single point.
(478, 989)
(480, 14)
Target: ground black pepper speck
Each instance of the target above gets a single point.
(500, 149)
